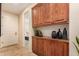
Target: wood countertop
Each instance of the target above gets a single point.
(48, 38)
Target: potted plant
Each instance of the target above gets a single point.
(77, 44)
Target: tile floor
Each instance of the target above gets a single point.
(15, 50)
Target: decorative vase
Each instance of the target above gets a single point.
(64, 33)
(59, 34)
(53, 34)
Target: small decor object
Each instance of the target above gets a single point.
(59, 34)
(53, 34)
(36, 32)
(40, 33)
(77, 44)
(64, 33)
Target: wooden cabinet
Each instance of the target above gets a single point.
(34, 16)
(49, 47)
(62, 12)
(49, 13)
(34, 45)
(40, 14)
(53, 12)
(40, 46)
(58, 46)
(66, 48)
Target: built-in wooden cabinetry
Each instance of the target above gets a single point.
(47, 14)
(44, 46)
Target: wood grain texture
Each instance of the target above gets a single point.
(49, 13)
(47, 47)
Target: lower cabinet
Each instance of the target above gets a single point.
(47, 47)
(40, 47)
(34, 45)
(59, 48)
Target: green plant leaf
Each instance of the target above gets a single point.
(76, 47)
(77, 40)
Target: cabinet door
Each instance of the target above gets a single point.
(38, 14)
(62, 12)
(41, 14)
(35, 15)
(44, 14)
(58, 48)
(34, 45)
(53, 47)
(52, 12)
(40, 47)
(47, 13)
(47, 47)
(66, 49)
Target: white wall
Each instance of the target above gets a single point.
(30, 38)
(27, 23)
(21, 27)
(74, 26)
(28, 27)
(9, 28)
(47, 30)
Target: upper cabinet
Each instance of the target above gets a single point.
(62, 12)
(46, 14)
(35, 15)
(49, 13)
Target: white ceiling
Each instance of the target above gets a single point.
(15, 8)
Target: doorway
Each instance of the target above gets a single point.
(27, 29)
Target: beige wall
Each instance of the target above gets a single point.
(20, 30)
(28, 24)
(9, 26)
(21, 27)
(74, 26)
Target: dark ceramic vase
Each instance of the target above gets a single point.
(59, 34)
(64, 33)
(53, 34)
